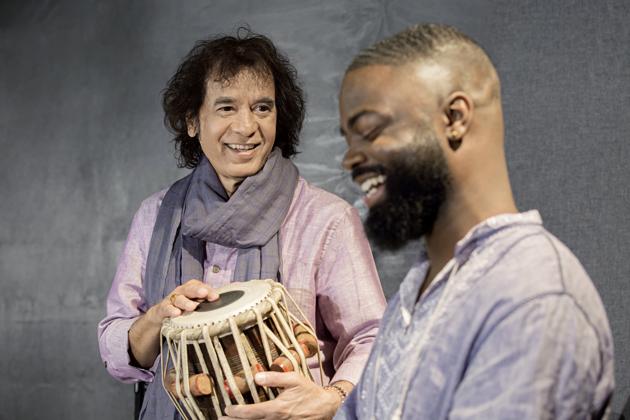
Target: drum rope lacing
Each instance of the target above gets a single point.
(217, 356)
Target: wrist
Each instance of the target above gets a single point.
(338, 393)
(152, 318)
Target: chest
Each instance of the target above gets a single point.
(420, 358)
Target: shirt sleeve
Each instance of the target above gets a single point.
(542, 360)
(125, 301)
(350, 299)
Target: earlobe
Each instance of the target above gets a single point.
(191, 125)
(454, 140)
(458, 114)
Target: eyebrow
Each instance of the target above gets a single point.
(226, 100)
(223, 100)
(265, 100)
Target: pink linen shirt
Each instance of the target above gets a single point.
(327, 267)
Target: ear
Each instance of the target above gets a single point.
(192, 125)
(458, 114)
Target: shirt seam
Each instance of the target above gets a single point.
(561, 273)
(333, 232)
(545, 235)
(585, 315)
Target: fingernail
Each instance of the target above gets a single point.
(260, 377)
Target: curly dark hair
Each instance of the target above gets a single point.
(222, 58)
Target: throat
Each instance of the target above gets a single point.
(427, 281)
(230, 185)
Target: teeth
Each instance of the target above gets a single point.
(241, 147)
(369, 185)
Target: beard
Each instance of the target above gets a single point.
(415, 189)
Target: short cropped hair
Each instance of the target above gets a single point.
(418, 41)
(222, 58)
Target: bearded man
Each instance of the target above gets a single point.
(497, 319)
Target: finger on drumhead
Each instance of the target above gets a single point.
(167, 310)
(196, 289)
(278, 379)
(180, 301)
(172, 311)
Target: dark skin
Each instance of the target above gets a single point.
(381, 108)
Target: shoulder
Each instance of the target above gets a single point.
(149, 208)
(317, 219)
(528, 267)
(528, 261)
(317, 206)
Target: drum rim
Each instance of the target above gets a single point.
(245, 316)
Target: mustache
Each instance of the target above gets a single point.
(360, 170)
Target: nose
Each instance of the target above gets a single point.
(245, 123)
(353, 157)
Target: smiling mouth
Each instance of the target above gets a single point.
(241, 147)
(371, 185)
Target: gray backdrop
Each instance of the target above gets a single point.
(82, 143)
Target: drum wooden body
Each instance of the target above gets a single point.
(209, 357)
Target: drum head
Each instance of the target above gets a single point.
(234, 298)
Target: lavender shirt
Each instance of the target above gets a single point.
(327, 266)
(511, 328)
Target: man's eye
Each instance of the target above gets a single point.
(262, 108)
(371, 133)
(226, 108)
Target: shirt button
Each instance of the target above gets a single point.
(215, 268)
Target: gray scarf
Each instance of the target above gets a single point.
(196, 210)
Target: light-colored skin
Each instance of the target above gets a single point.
(240, 111)
(144, 334)
(300, 399)
(456, 94)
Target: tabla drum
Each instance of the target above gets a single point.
(209, 357)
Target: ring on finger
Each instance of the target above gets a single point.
(172, 298)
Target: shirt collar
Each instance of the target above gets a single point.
(413, 280)
(467, 244)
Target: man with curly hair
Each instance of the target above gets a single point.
(243, 213)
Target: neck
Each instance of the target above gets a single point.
(230, 184)
(458, 215)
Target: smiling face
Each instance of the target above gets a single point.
(389, 118)
(236, 126)
(380, 109)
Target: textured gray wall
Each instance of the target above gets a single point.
(82, 143)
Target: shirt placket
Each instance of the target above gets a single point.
(219, 264)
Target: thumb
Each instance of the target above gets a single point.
(278, 379)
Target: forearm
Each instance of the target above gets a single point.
(353, 301)
(144, 340)
(144, 334)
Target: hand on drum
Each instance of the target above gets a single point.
(144, 333)
(184, 298)
(300, 399)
